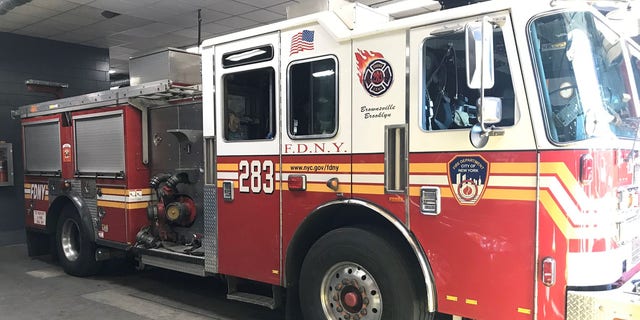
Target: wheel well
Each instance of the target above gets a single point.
(339, 215)
(53, 214)
(62, 202)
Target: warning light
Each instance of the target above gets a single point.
(586, 169)
(549, 271)
(66, 185)
(333, 184)
(297, 182)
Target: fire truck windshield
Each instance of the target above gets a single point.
(587, 76)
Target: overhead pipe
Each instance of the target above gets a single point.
(54, 88)
(120, 83)
(199, 27)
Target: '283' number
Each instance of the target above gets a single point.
(256, 177)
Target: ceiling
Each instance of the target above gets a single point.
(142, 26)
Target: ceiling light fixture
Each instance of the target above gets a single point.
(409, 5)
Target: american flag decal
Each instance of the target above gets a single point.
(302, 41)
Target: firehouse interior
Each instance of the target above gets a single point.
(320, 159)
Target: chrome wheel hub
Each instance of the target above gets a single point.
(349, 292)
(70, 240)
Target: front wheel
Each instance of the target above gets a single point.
(352, 273)
(76, 251)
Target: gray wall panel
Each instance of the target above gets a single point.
(23, 58)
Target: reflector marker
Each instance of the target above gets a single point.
(227, 175)
(428, 168)
(511, 167)
(227, 167)
(315, 167)
(122, 205)
(512, 181)
(524, 311)
(510, 194)
(368, 167)
(430, 179)
(467, 301)
(125, 192)
(113, 198)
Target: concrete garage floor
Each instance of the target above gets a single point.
(37, 288)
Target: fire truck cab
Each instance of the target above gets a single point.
(478, 161)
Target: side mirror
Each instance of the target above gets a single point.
(479, 54)
(481, 75)
(491, 110)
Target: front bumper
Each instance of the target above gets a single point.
(619, 304)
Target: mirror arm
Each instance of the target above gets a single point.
(492, 130)
(482, 71)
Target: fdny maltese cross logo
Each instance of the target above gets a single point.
(468, 178)
(374, 72)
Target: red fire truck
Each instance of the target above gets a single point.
(478, 161)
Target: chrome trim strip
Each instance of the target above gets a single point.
(407, 117)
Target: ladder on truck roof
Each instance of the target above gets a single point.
(141, 97)
(162, 90)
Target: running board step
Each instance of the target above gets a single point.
(259, 300)
(272, 302)
(172, 261)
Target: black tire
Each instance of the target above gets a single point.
(76, 252)
(352, 271)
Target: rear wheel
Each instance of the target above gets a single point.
(354, 274)
(76, 251)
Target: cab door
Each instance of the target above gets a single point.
(247, 160)
(316, 132)
(473, 209)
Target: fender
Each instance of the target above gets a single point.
(81, 207)
(303, 231)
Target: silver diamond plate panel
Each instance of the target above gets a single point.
(91, 203)
(88, 196)
(620, 303)
(210, 241)
(581, 307)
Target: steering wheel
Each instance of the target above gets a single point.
(558, 91)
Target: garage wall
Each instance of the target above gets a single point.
(84, 68)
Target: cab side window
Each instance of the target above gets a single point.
(447, 101)
(249, 105)
(312, 101)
